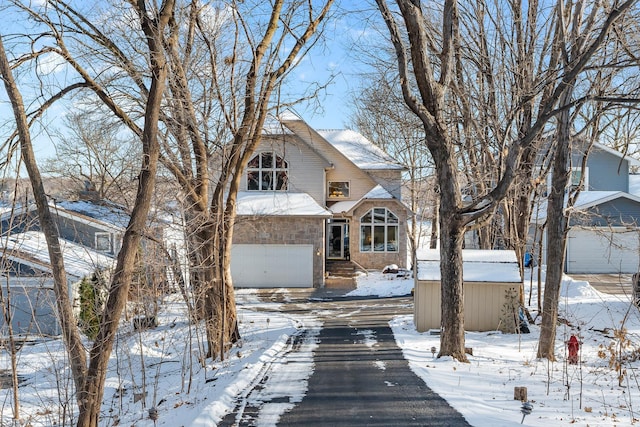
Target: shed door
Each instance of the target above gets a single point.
(603, 250)
(267, 266)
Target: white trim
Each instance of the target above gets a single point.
(109, 236)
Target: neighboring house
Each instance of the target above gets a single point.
(27, 283)
(309, 197)
(98, 226)
(90, 234)
(604, 232)
(492, 284)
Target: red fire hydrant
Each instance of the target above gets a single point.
(573, 345)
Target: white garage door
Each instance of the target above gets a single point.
(268, 266)
(603, 250)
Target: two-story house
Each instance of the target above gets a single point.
(604, 228)
(308, 196)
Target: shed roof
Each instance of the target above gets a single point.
(477, 266)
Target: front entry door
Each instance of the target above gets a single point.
(336, 233)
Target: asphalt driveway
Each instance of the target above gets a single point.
(361, 377)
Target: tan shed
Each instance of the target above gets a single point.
(492, 283)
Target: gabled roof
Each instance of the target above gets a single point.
(585, 200)
(632, 161)
(30, 248)
(350, 144)
(104, 212)
(278, 203)
(359, 150)
(376, 193)
(103, 216)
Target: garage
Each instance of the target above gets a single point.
(268, 266)
(603, 250)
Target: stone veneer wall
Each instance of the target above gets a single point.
(374, 260)
(285, 231)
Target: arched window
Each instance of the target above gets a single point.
(267, 171)
(379, 231)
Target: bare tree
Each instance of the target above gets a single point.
(578, 33)
(450, 65)
(226, 64)
(70, 331)
(95, 159)
(90, 380)
(381, 115)
(245, 70)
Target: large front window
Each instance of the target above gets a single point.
(379, 231)
(267, 171)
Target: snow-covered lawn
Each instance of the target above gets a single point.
(157, 369)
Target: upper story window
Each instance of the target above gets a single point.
(379, 231)
(576, 176)
(338, 190)
(267, 171)
(104, 242)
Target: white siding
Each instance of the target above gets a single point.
(603, 250)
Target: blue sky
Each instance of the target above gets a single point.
(332, 59)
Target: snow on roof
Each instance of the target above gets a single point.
(79, 261)
(585, 200)
(359, 150)
(104, 212)
(477, 266)
(278, 203)
(378, 193)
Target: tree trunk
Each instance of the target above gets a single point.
(70, 332)
(93, 390)
(557, 222)
(451, 286)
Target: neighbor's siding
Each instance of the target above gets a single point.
(619, 212)
(484, 305)
(606, 171)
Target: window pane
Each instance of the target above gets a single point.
(378, 238)
(338, 189)
(379, 215)
(391, 217)
(252, 180)
(392, 238)
(254, 163)
(365, 238)
(267, 180)
(576, 174)
(366, 218)
(280, 163)
(267, 160)
(103, 242)
(282, 183)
